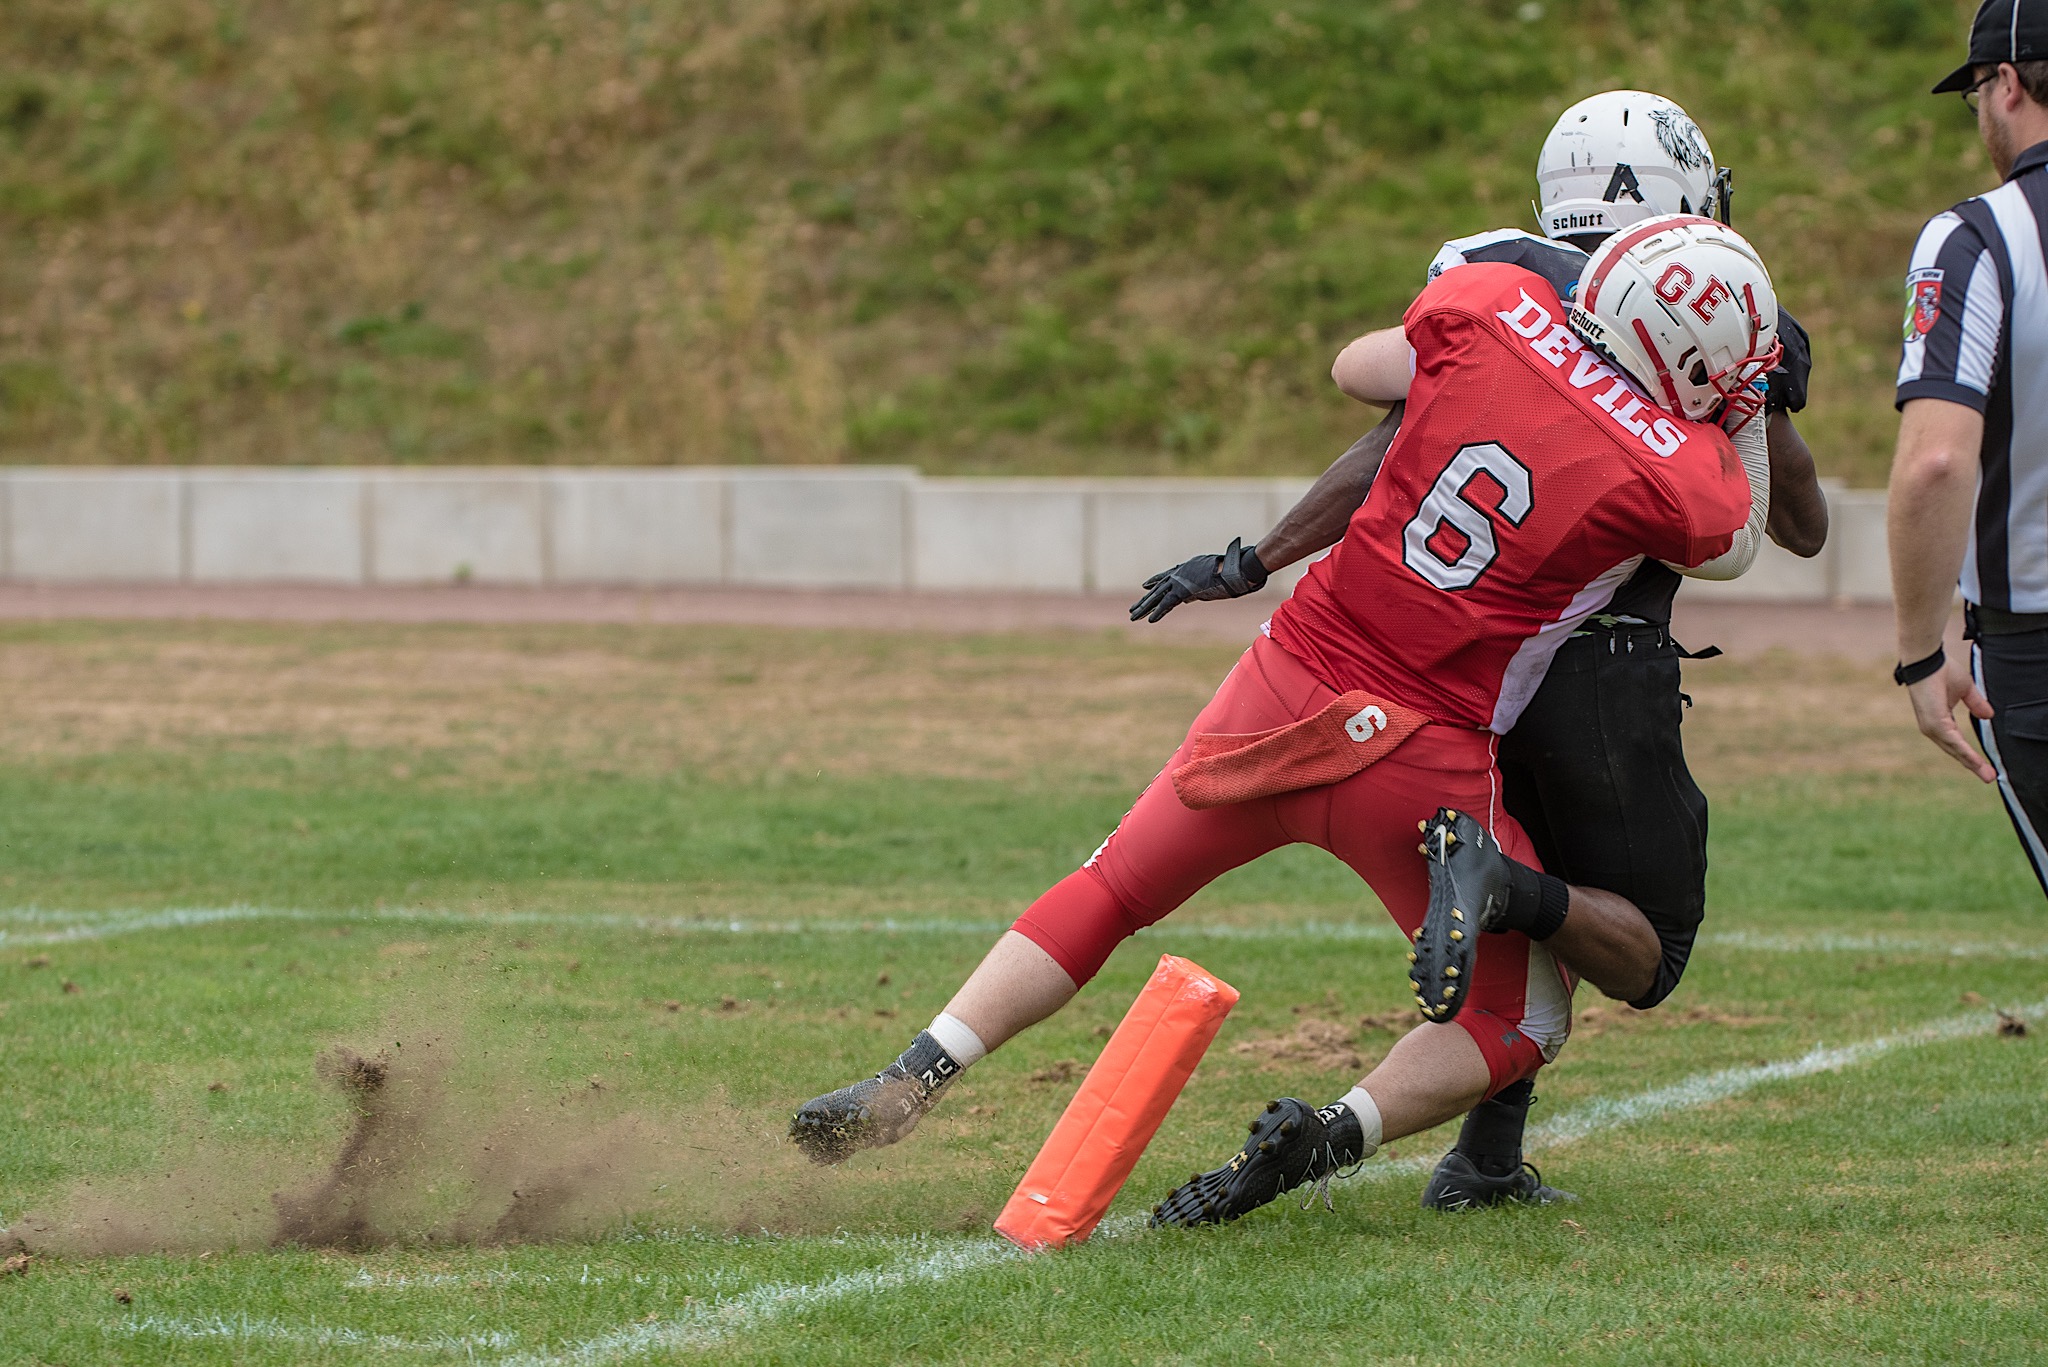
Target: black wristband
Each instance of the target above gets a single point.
(1253, 568)
(1238, 569)
(1919, 669)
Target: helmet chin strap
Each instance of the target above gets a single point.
(1724, 195)
(1676, 405)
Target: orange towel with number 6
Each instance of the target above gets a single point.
(1090, 1153)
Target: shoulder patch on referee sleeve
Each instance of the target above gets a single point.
(1923, 301)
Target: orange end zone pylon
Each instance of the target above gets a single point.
(1122, 1101)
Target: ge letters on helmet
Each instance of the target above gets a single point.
(1685, 307)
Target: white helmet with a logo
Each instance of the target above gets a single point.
(1685, 306)
(1615, 159)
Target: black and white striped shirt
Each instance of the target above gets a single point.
(1977, 334)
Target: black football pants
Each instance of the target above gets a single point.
(1595, 772)
(2012, 669)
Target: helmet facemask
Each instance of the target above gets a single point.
(1742, 387)
(1739, 390)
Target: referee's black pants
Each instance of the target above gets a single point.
(2012, 669)
(1595, 772)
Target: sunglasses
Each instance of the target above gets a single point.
(1970, 95)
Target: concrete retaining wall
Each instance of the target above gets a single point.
(1857, 542)
(819, 528)
(873, 527)
(1001, 534)
(96, 524)
(636, 527)
(254, 527)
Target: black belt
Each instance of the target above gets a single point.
(1981, 621)
(1624, 634)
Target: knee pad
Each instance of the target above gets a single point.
(1547, 1006)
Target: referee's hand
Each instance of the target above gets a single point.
(1934, 708)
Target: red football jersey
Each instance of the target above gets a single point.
(1529, 480)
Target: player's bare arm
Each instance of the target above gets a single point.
(1799, 507)
(1318, 521)
(1376, 368)
(1933, 491)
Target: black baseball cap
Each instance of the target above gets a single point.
(2004, 31)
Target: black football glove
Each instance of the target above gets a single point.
(1232, 574)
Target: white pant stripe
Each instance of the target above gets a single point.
(2030, 839)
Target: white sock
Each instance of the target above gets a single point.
(967, 1049)
(1368, 1112)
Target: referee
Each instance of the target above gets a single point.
(1969, 485)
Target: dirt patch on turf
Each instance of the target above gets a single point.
(335, 1210)
(434, 704)
(1787, 715)
(430, 1149)
(1593, 1021)
(431, 704)
(1326, 1045)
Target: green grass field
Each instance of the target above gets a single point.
(612, 901)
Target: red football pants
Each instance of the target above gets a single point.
(1518, 1007)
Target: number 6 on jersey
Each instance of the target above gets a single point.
(1450, 503)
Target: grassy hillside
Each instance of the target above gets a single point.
(978, 235)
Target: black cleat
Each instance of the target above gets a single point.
(1291, 1143)
(878, 1110)
(871, 1113)
(1458, 1184)
(1468, 893)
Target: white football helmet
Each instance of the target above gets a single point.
(1684, 305)
(1615, 159)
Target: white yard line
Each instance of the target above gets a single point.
(366, 1280)
(701, 1326)
(1579, 1123)
(63, 929)
(60, 927)
(38, 926)
(711, 1324)
(1706, 1088)
(1834, 942)
(241, 1327)
(715, 1322)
